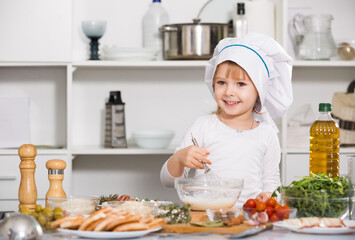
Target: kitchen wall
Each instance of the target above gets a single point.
(50, 30)
(36, 30)
(124, 20)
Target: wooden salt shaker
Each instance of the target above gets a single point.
(27, 193)
(55, 175)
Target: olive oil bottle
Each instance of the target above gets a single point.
(324, 143)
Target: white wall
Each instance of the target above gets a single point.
(36, 30)
(124, 20)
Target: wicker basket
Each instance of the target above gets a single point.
(343, 109)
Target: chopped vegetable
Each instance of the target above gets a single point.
(144, 200)
(217, 223)
(114, 197)
(111, 197)
(175, 214)
(317, 195)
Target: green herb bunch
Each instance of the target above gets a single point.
(317, 195)
(111, 197)
(173, 213)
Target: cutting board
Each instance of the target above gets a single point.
(202, 217)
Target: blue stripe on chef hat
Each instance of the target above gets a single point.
(240, 45)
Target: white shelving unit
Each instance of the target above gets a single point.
(131, 150)
(333, 63)
(146, 64)
(68, 99)
(185, 64)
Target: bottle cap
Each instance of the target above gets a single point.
(240, 9)
(325, 107)
(156, 1)
(115, 97)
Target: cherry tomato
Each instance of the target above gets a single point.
(286, 207)
(281, 211)
(251, 203)
(274, 218)
(245, 205)
(245, 208)
(271, 202)
(277, 206)
(251, 212)
(269, 211)
(287, 214)
(260, 206)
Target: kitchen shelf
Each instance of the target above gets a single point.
(343, 150)
(131, 150)
(39, 152)
(331, 63)
(161, 64)
(33, 64)
(140, 64)
(194, 64)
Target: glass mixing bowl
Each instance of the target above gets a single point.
(74, 205)
(203, 195)
(317, 203)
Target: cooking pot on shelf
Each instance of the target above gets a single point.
(191, 41)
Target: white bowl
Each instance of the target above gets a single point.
(74, 205)
(153, 138)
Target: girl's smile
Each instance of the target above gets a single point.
(231, 103)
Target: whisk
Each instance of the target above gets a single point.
(209, 174)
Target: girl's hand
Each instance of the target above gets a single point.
(263, 196)
(192, 157)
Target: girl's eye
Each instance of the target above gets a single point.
(221, 82)
(241, 84)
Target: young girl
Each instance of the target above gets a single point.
(250, 79)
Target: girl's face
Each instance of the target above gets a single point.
(235, 92)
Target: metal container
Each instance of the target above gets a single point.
(191, 41)
(17, 226)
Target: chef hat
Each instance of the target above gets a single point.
(268, 66)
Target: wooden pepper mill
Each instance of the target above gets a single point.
(27, 193)
(55, 175)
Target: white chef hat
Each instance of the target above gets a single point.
(267, 64)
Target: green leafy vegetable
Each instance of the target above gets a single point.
(317, 195)
(111, 197)
(175, 214)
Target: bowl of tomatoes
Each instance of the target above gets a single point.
(257, 212)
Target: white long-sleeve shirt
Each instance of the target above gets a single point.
(253, 155)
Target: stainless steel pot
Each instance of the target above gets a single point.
(191, 41)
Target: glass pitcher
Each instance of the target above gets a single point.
(313, 35)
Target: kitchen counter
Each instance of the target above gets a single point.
(275, 234)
